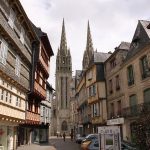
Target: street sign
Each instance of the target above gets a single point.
(109, 138)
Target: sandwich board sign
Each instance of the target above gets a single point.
(109, 138)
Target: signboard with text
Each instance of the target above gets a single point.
(109, 138)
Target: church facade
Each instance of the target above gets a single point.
(63, 78)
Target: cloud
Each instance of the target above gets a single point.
(111, 22)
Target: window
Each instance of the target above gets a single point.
(96, 109)
(90, 92)
(133, 103)
(147, 95)
(36, 108)
(6, 96)
(2, 94)
(43, 111)
(112, 63)
(130, 75)
(110, 87)
(30, 106)
(94, 90)
(10, 98)
(119, 108)
(12, 17)
(144, 67)
(3, 51)
(17, 66)
(112, 110)
(117, 83)
(17, 101)
(22, 35)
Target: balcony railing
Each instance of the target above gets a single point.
(136, 110)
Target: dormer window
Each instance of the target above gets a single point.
(135, 42)
(113, 63)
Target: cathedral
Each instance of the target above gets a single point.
(63, 78)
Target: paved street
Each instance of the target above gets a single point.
(54, 144)
(36, 147)
(61, 145)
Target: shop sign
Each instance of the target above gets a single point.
(115, 121)
(109, 138)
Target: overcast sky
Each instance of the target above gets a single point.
(111, 21)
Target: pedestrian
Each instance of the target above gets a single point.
(64, 136)
(71, 136)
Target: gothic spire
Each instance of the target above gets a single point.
(89, 44)
(63, 44)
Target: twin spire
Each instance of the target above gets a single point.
(89, 45)
(63, 43)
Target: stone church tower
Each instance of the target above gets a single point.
(63, 78)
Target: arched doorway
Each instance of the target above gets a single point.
(64, 126)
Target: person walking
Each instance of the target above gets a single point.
(64, 136)
(71, 136)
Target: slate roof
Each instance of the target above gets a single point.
(145, 24)
(142, 38)
(100, 57)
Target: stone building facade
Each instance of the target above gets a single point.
(115, 88)
(128, 105)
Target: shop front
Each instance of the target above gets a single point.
(119, 122)
(7, 137)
